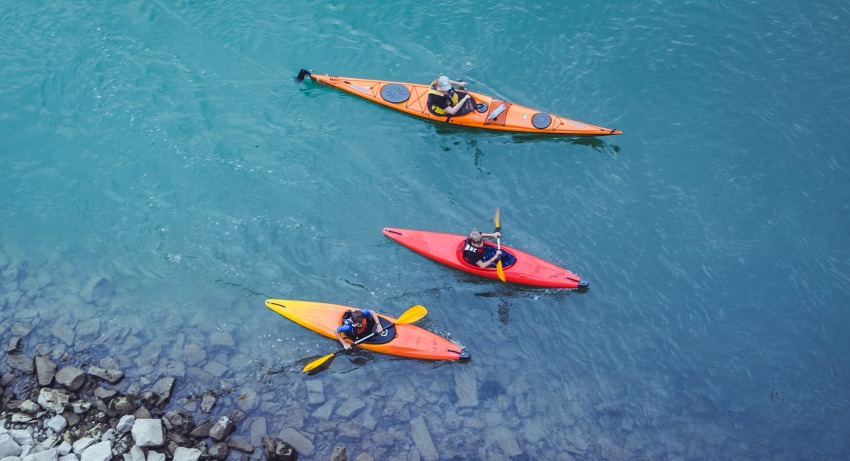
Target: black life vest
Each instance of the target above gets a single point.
(439, 100)
(469, 248)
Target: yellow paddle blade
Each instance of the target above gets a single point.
(413, 314)
(496, 219)
(500, 271)
(316, 363)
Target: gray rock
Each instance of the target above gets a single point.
(21, 363)
(218, 451)
(350, 406)
(46, 455)
(125, 424)
(136, 454)
(21, 329)
(207, 402)
(29, 407)
(466, 388)
(221, 338)
(148, 433)
(162, 388)
(186, 454)
(104, 393)
(239, 444)
(194, 354)
(422, 439)
(82, 444)
(98, 290)
(339, 454)
(21, 436)
(101, 451)
(156, 456)
(121, 406)
(302, 444)
(63, 332)
(111, 375)
(214, 368)
(349, 431)
(57, 423)
(8, 446)
(53, 400)
(258, 430)
(222, 429)
(247, 400)
(315, 391)
(14, 344)
(71, 377)
(277, 450)
(45, 369)
(203, 430)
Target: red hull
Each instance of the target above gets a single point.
(447, 249)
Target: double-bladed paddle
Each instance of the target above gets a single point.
(409, 316)
(500, 271)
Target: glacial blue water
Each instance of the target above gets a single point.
(163, 147)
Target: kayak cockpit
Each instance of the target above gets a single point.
(386, 335)
(511, 259)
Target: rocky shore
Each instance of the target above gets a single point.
(70, 414)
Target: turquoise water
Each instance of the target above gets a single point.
(162, 147)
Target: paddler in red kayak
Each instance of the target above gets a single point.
(484, 256)
(356, 324)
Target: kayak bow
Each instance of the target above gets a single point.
(489, 113)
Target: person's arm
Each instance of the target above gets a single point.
(345, 344)
(453, 109)
(461, 83)
(485, 263)
(378, 327)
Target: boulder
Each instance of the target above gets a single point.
(278, 450)
(186, 454)
(222, 429)
(148, 433)
(53, 400)
(45, 369)
(111, 375)
(71, 377)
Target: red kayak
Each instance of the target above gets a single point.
(448, 249)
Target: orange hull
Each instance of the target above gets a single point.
(406, 340)
(412, 98)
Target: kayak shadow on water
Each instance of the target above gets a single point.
(599, 144)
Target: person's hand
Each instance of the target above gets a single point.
(347, 346)
(378, 328)
(462, 84)
(498, 253)
(497, 234)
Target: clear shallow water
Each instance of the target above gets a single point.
(162, 145)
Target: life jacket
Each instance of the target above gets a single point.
(436, 97)
(479, 252)
(357, 328)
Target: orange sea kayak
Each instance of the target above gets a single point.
(400, 339)
(488, 113)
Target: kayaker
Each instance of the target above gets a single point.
(355, 325)
(484, 256)
(444, 100)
